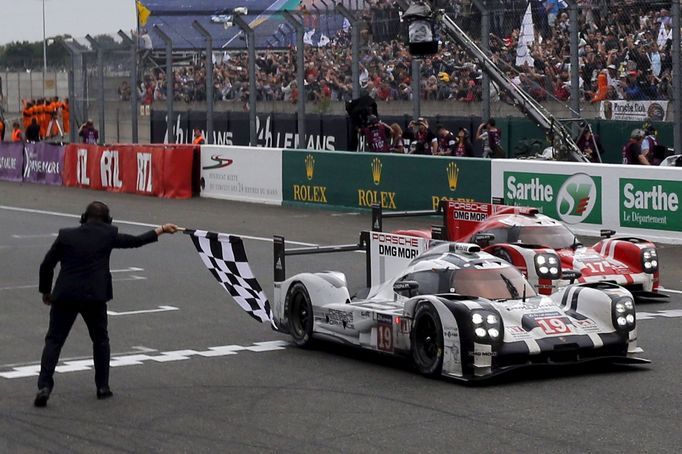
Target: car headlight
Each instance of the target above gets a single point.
(623, 312)
(547, 266)
(487, 326)
(649, 260)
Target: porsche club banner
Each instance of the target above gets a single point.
(43, 163)
(225, 257)
(634, 110)
(30, 162)
(11, 161)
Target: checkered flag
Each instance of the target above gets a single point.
(225, 258)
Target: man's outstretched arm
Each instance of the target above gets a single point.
(125, 241)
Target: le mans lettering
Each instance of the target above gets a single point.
(369, 197)
(308, 193)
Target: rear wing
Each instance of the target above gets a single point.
(437, 231)
(459, 219)
(386, 254)
(280, 252)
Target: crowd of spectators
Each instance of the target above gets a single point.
(621, 52)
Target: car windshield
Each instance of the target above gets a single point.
(553, 236)
(495, 282)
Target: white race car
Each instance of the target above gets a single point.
(453, 310)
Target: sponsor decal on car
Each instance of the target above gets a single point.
(385, 332)
(340, 318)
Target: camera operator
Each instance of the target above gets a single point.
(377, 135)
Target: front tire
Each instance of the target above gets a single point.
(427, 340)
(300, 315)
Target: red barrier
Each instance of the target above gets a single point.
(160, 170)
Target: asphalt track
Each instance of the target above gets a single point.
(204, 377)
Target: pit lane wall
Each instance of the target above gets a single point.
(241, 173)
(40, 163)
(157, 170)
(632, 200)
(396, 182)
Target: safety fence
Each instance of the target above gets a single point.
(156, 170)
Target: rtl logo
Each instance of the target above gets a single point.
(82, 177)
(109, 169)
(144, 172)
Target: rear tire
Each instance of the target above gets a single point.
(300, 315)
(427, 340)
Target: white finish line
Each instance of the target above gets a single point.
(123, 279)
(136, 359)
(144, 311)
(45, 235)
(673, 313)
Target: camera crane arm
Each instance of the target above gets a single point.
(558, 134)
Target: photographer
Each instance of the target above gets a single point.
(88, 133)
(491, 138)
(422, 139)
(377, 135)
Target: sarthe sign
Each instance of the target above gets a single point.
(634, 110)
(396, 182)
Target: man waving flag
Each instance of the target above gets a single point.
(225, 258)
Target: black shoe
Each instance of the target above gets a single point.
(41, 397)
(104, 392)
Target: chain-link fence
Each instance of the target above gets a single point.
(623, 51)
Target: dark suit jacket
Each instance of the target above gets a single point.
(84, 255)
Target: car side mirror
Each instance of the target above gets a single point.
(571, 275)
(402, 286)
(604, 233)
(483, 239)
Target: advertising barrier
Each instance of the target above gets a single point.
(163, 171)
(397, 182)
(11, 161)
(43, 163)
(241, 173)
(637, 200)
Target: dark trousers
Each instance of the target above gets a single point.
(62, 316)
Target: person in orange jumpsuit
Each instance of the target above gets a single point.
(17, 136)
(44, 116)
(198, 137)
(27, 113)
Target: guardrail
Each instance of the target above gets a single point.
(158, 170)
(633, 200)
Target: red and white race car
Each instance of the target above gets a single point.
(545, 250)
